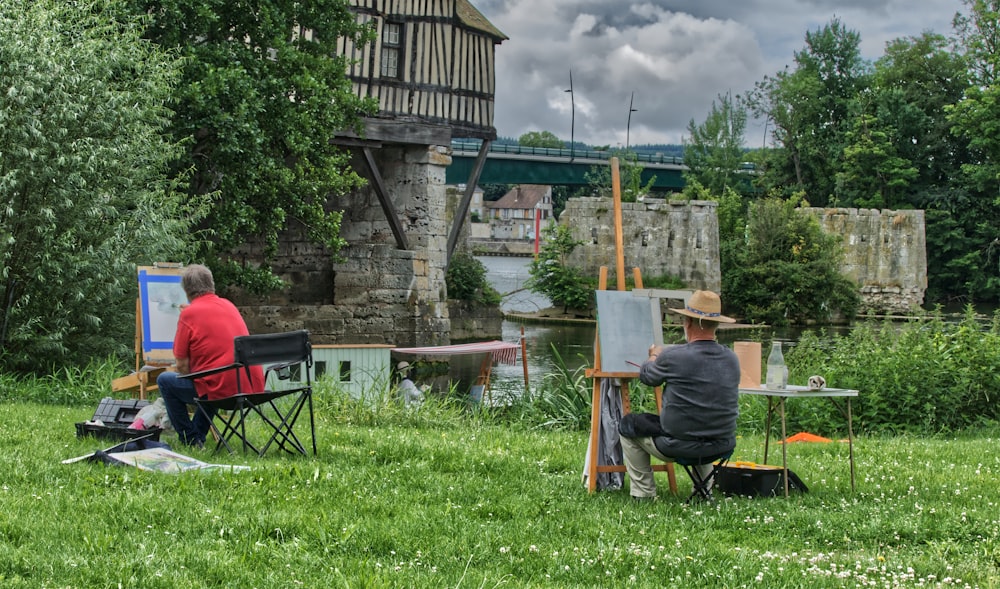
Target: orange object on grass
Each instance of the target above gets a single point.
(806, 437)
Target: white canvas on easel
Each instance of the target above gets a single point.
(627, 325)
(628, 322)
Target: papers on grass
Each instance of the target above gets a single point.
(159, 460)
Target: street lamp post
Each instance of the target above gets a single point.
(628, 125)
(572, 118)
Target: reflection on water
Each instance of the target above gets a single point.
(574, 343)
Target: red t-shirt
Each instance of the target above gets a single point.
(205, 332)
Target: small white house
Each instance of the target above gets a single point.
(363, 370)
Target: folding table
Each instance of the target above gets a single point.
(776, 400)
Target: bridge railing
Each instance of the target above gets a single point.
(654, 158)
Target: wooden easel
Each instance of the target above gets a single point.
(596, 373)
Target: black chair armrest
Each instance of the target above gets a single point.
(282, 366)
(211, 371)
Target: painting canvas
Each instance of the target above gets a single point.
(627, 324)
(161, 298)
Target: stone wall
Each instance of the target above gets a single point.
(471, 321)
(885, 253)
(675, 238)
(375, 293)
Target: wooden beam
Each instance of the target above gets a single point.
(399, 130)
(463, 206)
(344, 141)
(383, 199)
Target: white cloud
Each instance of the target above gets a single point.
(675, 56)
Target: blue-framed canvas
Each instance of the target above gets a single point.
(161, 299)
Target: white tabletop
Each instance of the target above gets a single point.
(798, 391)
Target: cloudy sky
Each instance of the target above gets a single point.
(675, 56)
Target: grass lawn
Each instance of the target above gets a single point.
(467, 502)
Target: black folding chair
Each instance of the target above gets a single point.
(703, 485)
(279, 352)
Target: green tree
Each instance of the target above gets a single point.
(732, 210)
(787, 270)
(494, 192)
(552, 277)
(873, 174)
(714, 151)
(913, 83)
(83, 178)
(808, 109)
(541, 139)
(264, 89)
(978, 34)
(976, 118)
(560, 194)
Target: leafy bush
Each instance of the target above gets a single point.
(466, 280)
(787, 270)
(925, 376)
(630, 177)
(561, 401)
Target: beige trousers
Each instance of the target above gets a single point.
(638, 453)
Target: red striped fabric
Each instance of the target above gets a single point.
(505, 352)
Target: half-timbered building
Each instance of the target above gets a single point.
(431, 62)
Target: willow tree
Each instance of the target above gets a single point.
(263, 92)
(84, 194)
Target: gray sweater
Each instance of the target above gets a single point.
(701, 390)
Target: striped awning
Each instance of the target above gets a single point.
(505, 352)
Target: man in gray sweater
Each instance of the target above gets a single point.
(700, 398)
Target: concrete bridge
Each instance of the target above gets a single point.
(514, 164)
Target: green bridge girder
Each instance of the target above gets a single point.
(511, 164)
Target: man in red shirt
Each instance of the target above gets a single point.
(204, 339)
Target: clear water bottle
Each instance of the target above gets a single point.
(777, 372)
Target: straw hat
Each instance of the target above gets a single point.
(704, 305)
(402, 366)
